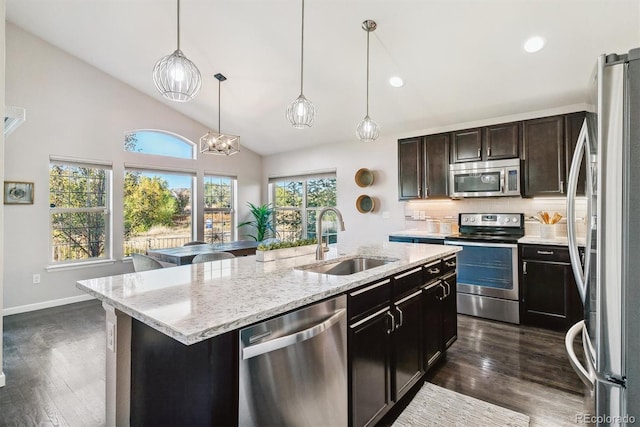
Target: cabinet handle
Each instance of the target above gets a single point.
(433, 270)
(393, 323)
(488, 151)
(479, 153)
(562, 187)
(524, 267)
(401, 318)
(426, 191)
(444, 292)
(545, 252)
(450, 263)
(448, 288)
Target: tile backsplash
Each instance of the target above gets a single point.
(417, 213)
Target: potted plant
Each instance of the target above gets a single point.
(262, 221)
(280, 250)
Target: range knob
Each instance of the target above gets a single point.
(504, 220)
(473, 219)
(466, 219)
(514, 219)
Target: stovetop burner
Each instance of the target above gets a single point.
(489, 227)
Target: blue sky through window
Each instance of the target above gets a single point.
(162, 144)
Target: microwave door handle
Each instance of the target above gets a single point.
(581, 273)
(502, 179)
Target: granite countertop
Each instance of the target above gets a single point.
(418, 233)
(527, 239)
(192, 303)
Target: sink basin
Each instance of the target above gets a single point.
(347, 266)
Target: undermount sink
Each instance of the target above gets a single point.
(347, 266)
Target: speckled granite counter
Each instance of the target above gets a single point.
(528, 239)
(418, 234)
(195, 302)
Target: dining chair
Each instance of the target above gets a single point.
(144, 262)
(195, 242)
(212, 256)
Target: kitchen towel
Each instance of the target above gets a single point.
(437, 406)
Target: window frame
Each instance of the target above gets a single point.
(303, 209)
(106, 210)
(231, 210)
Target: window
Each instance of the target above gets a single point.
(297, 201)
(218, 208)
(79, 211)
(157, 209)
(159, 143)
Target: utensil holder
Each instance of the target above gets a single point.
(548, 231)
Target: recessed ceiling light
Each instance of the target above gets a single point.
(396, 81)
(534, 44)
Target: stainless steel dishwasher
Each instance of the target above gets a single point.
(293, 368)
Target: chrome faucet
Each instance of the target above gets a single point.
(319, 249)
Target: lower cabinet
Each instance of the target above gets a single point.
(398, 328)
(549, 297)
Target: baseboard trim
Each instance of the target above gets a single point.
(45, 304)
(2, 379)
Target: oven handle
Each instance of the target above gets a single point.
(485, 244)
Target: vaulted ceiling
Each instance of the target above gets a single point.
(461, 60)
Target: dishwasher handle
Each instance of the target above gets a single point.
(287, 340)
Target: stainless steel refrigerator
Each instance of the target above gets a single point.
(608, 277)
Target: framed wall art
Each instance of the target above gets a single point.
(18, 193)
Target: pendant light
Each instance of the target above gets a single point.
(367, 129)
(175, 77)
(301, 112)
(217, 142)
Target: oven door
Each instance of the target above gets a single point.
(487, 269)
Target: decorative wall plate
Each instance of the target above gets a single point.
(364, 177)
(365, 204)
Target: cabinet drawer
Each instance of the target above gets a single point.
(546, 253)
(449, 264)
(409, 280)
(365, 301)
(432, 271)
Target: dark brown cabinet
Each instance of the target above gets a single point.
(501, 141)
(549, 297)
(407, 348)
(433, 294)
(410, 174)
(466, 145)
(423, 165)
(449, 311)
(543, 150)
(548, 144)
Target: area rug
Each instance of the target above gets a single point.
(437, 406)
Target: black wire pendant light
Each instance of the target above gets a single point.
(217, 142)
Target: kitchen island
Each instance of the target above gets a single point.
(191, 307)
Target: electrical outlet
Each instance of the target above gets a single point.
(111, 336)
(36, 279)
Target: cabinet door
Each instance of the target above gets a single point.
(406, 344)
(432, 324)
(572, 126)
(502, 141)
(436, 161)
(370, 362)
(544, 159)
(450, 311)
(466, 145)
(410, 175)
(547, 295)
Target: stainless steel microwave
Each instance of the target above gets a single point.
(495, 178)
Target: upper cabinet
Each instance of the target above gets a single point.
(501, 141)
(548, 144)
(545, 146)
(423, 167)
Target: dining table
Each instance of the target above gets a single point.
(182, 255)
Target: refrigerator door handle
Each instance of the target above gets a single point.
(580, 272)
(586, 375)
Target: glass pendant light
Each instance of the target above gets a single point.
(175, 77)
(217, 142)
(301, 112)
(367, 129)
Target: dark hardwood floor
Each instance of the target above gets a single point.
(521, 368)
(54, 364)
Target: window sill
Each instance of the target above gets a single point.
(75, 266)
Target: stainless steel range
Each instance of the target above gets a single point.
(488, 283)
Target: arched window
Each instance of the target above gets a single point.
(160, 143)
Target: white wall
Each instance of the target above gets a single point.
(381, 156)
(2, 64)
(75, 110)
